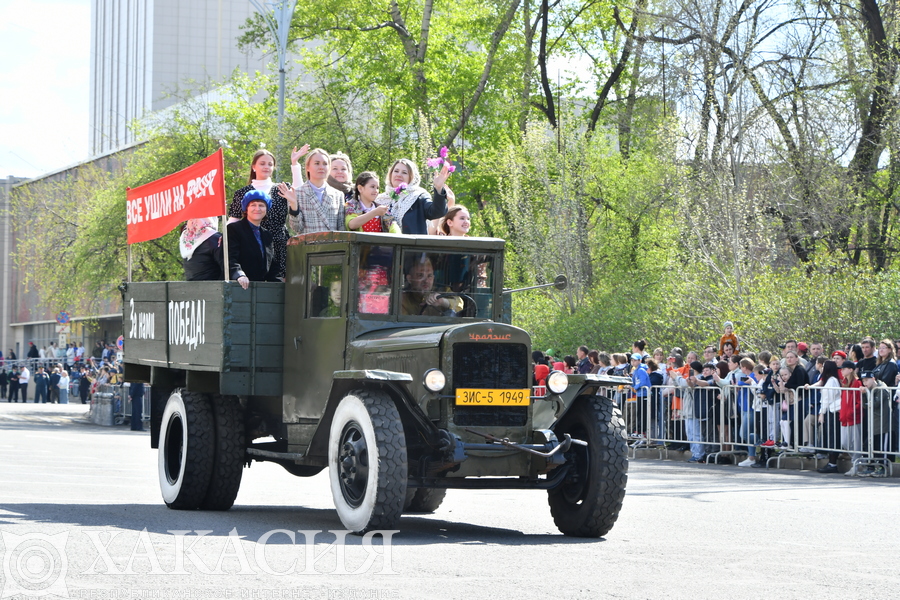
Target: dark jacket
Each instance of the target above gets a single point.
(40, 381)
(886, 372)
(584, 366)
(206, 263)
(424, 208)
(244, 256)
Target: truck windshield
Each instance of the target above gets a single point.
(446, 284)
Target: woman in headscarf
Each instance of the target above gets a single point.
(261, 169)
(200, 245)
(410, 205)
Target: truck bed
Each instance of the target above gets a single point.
(222, 336)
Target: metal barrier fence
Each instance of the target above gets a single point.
(111, 404)
(728, 423)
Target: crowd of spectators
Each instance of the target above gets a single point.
(726, 402)
(54, 373)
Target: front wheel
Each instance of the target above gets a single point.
(367, 461)
(186, 450)
(588, 501)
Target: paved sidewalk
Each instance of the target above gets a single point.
(44, 413)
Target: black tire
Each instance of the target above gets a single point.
(230, 449)
(588, 501)
(367, 461)
(423, 500)
(186, 450)
(301, 470)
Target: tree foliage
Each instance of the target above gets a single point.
(683, 163)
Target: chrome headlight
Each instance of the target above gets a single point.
(434, 380)
(558, 382)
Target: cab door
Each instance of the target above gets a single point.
(315, 344)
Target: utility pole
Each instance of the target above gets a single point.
(277, 15)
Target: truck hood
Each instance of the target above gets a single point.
(395, 339)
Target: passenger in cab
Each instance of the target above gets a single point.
(421, 296)
(251, 255)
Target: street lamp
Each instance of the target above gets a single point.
(277, 15)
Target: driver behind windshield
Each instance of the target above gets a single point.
(421, 296)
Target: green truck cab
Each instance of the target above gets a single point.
(384, 358)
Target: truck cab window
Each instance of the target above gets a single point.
(375, 264)
(447, 284)
(326, 293)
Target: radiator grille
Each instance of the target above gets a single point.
(491, 366)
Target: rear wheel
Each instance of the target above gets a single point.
(230, 448)
(186, 450)
(588, 501)
(367, 461)
(423, 500)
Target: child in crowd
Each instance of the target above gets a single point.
(851, 417)
(729, 336)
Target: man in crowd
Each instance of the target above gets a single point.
(33, 354)
(41, 381)
(815, 351)
(727, 351)
(24, 378)
(869, 359)
(14, 385)
(584, 363)
(54, 387)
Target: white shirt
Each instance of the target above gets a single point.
(24, 376)
(63, 383)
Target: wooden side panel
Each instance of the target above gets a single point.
(196, 323)
(144, 323)
(209, 326)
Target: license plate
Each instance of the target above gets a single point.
(482, 397)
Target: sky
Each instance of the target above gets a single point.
(44, 85)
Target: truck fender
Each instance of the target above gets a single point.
(393, 382)
(563, 403)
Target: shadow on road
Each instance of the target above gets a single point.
(253, 522)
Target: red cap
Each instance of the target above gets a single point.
(840, 353)
(802, 347)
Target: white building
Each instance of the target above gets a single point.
(143, 52)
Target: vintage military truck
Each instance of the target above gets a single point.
(382, 357)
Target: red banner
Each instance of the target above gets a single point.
(155, 209)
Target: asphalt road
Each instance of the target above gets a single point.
(81, 514)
